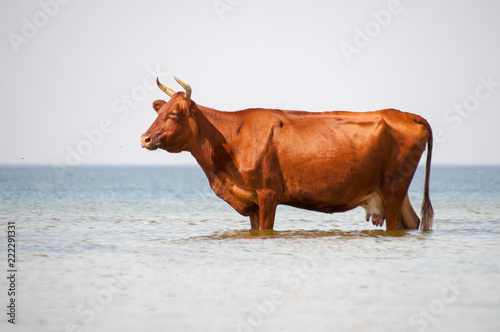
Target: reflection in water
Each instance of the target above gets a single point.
(307, 234)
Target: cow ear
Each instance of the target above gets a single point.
(193, 108)
(157, 104)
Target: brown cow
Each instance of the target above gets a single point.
(331, 162)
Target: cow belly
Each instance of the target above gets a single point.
(335, 181)
(336, 189)
(331, 201)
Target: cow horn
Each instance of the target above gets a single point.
(185, 86)
(164, 88)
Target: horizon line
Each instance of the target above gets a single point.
(195, 164)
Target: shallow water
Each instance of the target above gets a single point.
(152, 248)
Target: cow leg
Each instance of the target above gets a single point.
(397, 204)
(268, 201)
(255, 219)
(409, 218)
(393, 205)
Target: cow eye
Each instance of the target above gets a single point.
(175, 113)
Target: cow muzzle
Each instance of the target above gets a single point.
(148, 142)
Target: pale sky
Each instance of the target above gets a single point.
(77, 77)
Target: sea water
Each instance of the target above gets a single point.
(122, 248)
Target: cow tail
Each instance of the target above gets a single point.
(427, 210)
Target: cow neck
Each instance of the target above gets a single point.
(214, 131)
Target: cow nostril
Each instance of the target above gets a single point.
(147, 140)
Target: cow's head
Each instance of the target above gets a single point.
(174, 125)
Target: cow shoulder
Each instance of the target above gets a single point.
(255, 137)
(254, 148)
